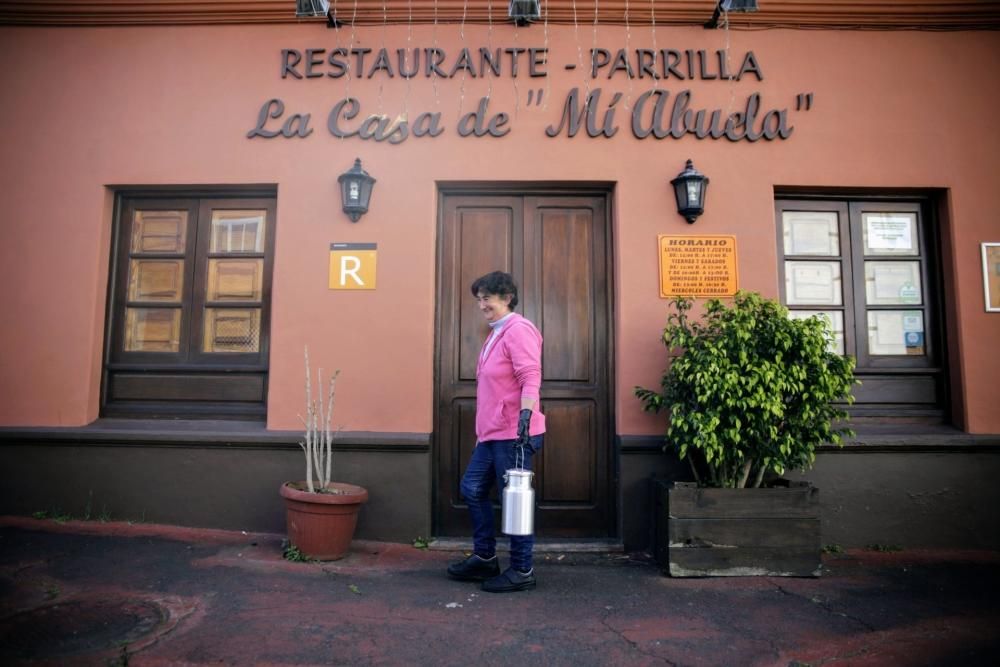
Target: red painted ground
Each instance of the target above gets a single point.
(229, 598)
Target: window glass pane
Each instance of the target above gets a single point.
(890, 233)
(232, 330)
(152, 329)
(159, 231)
(895, 332)
(892, 283)
(235, 279)
(237, 231)
(813, 283)
(155, 279)
(834, 319)
(811, 233)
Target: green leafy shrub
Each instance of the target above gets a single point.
(749, 390)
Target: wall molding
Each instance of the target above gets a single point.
(940, 440)
(194, 434)
(794, 14)
(253, 435)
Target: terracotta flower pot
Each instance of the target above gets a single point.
(321, 525)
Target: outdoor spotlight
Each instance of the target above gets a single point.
(355, 190)
(307, 9)
(523, 12)
(689, 190)
(738, 5)
(731, 7)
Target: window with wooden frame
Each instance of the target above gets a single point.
(870, 267)
(189, 306)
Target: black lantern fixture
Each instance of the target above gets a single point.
(355, 190)
(523, 12)
(689, 189)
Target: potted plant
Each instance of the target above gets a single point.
(321, 514)
(751, 393)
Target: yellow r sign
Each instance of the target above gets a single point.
(352, 265)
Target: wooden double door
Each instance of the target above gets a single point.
(556, 245)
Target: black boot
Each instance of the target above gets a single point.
(474, 568)
(511, 580)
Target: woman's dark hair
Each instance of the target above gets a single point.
(499, 283)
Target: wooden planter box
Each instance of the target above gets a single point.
(737, 532)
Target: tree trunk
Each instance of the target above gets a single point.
(694, 470)
(760, 476)
(745, 474)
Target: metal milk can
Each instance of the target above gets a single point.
(518, 503)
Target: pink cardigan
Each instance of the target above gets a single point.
(511, 370)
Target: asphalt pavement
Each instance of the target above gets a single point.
(92, 593)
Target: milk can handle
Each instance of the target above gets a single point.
(518, 449)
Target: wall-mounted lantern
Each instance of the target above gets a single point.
(689, 189)
(523, 12)
(355, 190)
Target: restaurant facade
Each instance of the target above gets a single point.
(181, 222)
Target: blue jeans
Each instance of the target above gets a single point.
(490, 460)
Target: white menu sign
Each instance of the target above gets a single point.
(889, 232)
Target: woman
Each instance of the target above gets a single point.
(508, 425)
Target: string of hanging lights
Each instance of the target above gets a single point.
(652, 14)
(461, 31)
(434, 41)
(545, 102)
(525, 12)
(513, 79)
(351, 61)
(792, 14)
(381, 86)
(408, 76)
(489, 46)
(628, 41)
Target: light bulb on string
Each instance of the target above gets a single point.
(593, 49)
(381, 79)
(489, 46)
(729, 68)
(513, 79)
(652, 14)
(434, 41)
(579, 47)
(409, 49)
(461, 31)
(628, 38)
(350, 49)
(338, 45)
(548, 76)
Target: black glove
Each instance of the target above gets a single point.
(523, 427)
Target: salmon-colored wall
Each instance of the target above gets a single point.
(88, 109)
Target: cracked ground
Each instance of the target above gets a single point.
(233, 600)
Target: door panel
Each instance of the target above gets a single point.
(556, 247)
(569, 423)
(485, 238)
(567, 316)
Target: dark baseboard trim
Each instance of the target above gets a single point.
(254, 435)
(204, 435)
(868, 440)
(640, 444)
